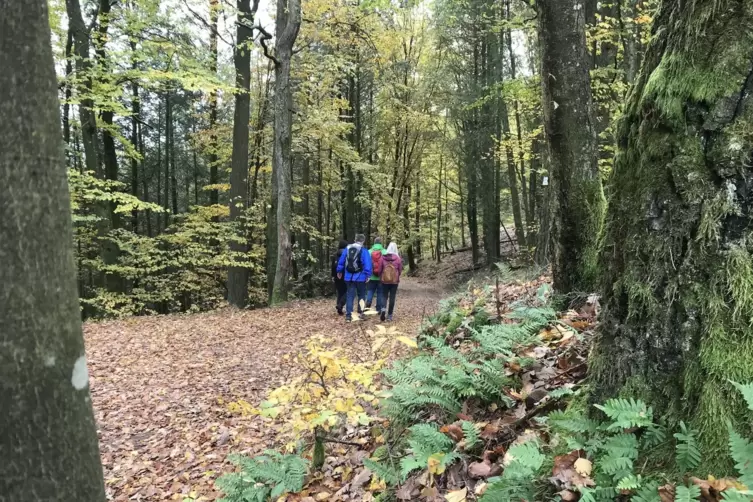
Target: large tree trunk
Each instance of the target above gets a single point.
(577, 194)
(288, 24)
(237, 281)
(49, 438)
(678, 270)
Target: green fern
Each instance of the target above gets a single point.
(260, 478)
(627, 413)
(631, 482)
(687, 493)
(471, 434)
(383, 471)
(516, 482)
(654, 434)
(737, 496)
(425, 441)
(569, 422)
(648, 493)
(688, 454)
(747, 392)
(741, 451)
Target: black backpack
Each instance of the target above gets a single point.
(353, 261)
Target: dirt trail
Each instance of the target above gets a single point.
(156, 381)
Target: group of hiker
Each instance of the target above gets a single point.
(371, 275)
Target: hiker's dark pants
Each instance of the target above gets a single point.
(342, 291)
(389, 291)
(374, 288)
(355, 288)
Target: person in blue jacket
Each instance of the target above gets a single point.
(355, 266)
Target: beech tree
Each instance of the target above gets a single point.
(576, 197)
(677, 264)
(237, 281)
(49, 438)
(288, 24)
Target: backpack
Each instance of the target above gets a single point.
(389, 273)
(376, 260)
(353, 261)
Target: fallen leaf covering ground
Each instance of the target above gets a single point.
(157, 386)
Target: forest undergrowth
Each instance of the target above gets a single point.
(489, 402)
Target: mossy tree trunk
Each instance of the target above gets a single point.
(678, 273)
(576, 191)
(48, 439)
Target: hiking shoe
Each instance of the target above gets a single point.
(389, 318)
(340, 312)
(348, 319)
(382, 316)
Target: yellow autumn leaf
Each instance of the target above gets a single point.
(435, 463)
(457, 495)
(410, 342)
(583, 466)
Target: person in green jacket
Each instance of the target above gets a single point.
(374, 287)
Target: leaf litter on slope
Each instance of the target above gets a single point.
(158, 384)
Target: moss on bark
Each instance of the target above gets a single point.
(678, 271)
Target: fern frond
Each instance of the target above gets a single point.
(471, 433)
(631, 482)
(747, 391)
(382, 471)
(627, 413)
(687, 493)
(569, 422)
(741, 451)
(648, 493)
(688, 454)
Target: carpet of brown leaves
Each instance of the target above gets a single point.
(156, 381)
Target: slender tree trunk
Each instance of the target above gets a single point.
(214, 194)
(287, 25)
(676, 257)
(168, 156)
(571, 139)
(49, 438)
(80, 34)
(632, 44)
(237, 283)
(438, 244)
(135, 116)
(68, 91)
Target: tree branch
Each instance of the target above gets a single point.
(205, 23)
(265, 37)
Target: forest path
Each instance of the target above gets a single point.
(155, 384)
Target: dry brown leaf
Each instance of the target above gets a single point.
(454, 431)
(568, 496)
(565, 474)
(483, 469)
(667, 493)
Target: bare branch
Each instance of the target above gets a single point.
(205, 23)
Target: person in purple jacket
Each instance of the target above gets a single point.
(392, 268)
(355, 267)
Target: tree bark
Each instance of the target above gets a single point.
(237, 282)
(287, 25)
(135, 117)
(677, 258)
(80, 33)
(214, 194)
(49, 439)
(576, 188)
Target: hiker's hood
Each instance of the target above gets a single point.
(377, 247)
(390, 257)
